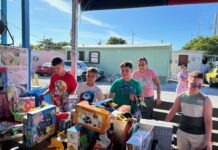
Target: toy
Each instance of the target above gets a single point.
(140, 140)
(10, 130)
(163, 131)
(106, 104)
(56, 144)
(87, 96)
(61, 96)
(73, 137)
(91, 117)
(12, 98)
(25, 104)
(103, 143)
(63, 121)
(3, 78)
(39, 125)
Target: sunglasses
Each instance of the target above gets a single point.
(194, 85)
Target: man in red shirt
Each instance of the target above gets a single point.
(62, 84)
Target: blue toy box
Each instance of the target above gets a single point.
(35, 93)
(39, 125)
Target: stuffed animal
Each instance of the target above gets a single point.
(12, 99)
(87, 96)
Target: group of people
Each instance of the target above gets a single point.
(137, 86)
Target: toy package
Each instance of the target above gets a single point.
(3, 78)
(39, 125)
(10, 130)
(25, 104)
(91, 117)
(73, 137)
(140, 140)
(163, 132)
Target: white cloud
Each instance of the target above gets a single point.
(65, 7)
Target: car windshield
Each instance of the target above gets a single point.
(82, 64)
(46, 65)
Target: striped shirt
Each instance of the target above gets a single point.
(192, 117)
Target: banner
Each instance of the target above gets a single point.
(16, 61)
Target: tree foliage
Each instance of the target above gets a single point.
(208, 44)
(116, 40)
(48, 44)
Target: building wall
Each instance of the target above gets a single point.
(110, 58)
(194, 61)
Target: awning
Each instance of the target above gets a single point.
(118, 4)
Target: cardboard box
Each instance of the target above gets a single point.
(25, 104)
(163, 132)
(73, 134)
(72, 146)
(140, 140)
(91, 117)
(39, 125)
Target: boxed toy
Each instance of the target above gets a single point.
(39, 124)
(73, 134)
(72, 146)
(140, 140)
(10, 130)
(163, 132)
(25, 104)
(3, 78)
(92, 117)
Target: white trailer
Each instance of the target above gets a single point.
(193, 60)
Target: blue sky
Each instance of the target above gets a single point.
(174, 24)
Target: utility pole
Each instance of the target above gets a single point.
(215, 24)
(133, 34)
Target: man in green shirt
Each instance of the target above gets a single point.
(124, 90)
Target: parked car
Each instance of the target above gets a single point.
(45, 69)
(82, 69)
(212, 77)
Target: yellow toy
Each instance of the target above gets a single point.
(58, 145)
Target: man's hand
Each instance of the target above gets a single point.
(132, 97)
(157, 101)
(207, 146)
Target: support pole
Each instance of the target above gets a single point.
(74, 38)
(26, 35)
(4, 18)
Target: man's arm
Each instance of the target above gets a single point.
(208, 111)
(174, 109)
(111, 95)
(73, 84)
(157, 83)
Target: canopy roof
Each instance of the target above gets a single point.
(118, 4)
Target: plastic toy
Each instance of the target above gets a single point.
(58, 145)
(91, 117)
(25, 104)
(39, 124)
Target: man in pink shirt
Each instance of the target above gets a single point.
(147, 77)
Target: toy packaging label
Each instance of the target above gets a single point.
(10, 130)
(25, 104)
(163, 132)
(39, 125)
(92, 117)
(140, 140)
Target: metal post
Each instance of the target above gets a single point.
(4, 18)
(215, 24)
(74, 38)
(26, 34)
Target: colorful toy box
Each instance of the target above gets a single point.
(25, 104)
(73, 137)
(163, 132)
(140, 140)
(39, 125)
(3, 78)
(91, 117)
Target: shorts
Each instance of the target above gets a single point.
(187, 141)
